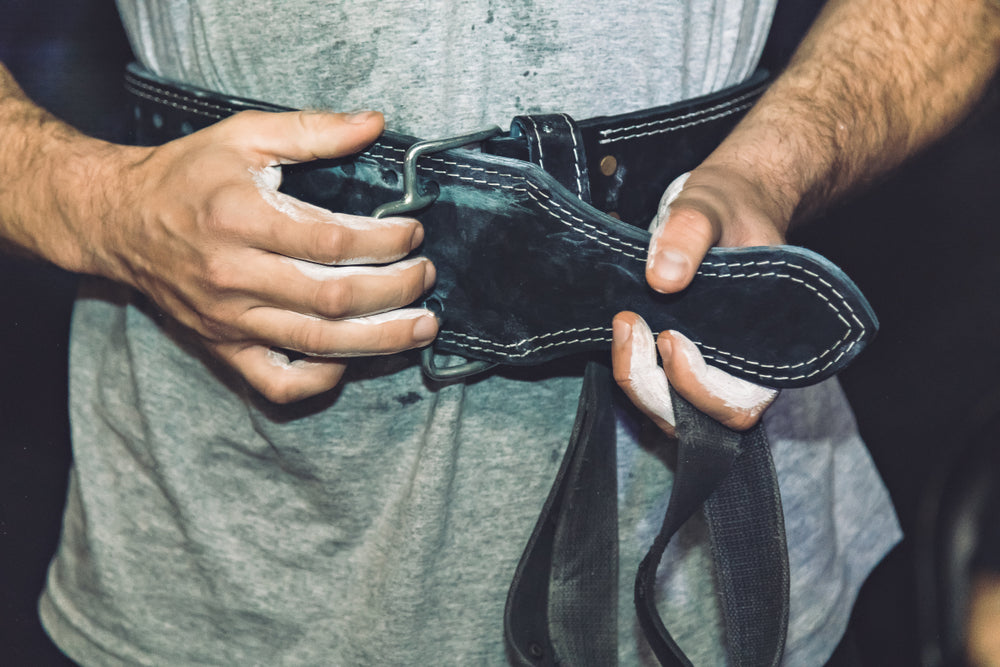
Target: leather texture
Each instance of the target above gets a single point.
(528, 272)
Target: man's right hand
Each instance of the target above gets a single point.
(201, 229)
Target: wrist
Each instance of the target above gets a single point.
(97, 190)
(84, 196)
(61, 192)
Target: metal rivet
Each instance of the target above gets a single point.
(609, 165)
(614, 214)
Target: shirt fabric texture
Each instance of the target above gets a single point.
(381, 522)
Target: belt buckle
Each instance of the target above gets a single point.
(414, 200)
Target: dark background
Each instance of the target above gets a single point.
(922, 246)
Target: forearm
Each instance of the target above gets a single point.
(873, 82)
(59, 189)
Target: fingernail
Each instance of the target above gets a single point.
(622, 330)
(430, 276)
(668, 265)
(359, 117)
(425, 329)
(418, 236)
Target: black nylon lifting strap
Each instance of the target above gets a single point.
(563, 601)
(732, 475)
(561, 608)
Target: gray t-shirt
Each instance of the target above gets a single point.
(381, 523)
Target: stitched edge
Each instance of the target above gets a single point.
(538, 137)
(674, 128)
(169, 98)
(576, 154)
(722, 357)
(608, 138)
(161, 96)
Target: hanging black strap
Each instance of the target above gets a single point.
(733, 476)
(563, 602)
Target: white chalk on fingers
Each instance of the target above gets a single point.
(373, 319)
(318, 271)
(646, 378)
(268, 180)
(670, 195)
(282, 360)
(736, 393)
(390, 316)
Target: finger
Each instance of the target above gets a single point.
(329, 292)
(732, 401)
(385, 333)
(320, 235)
(681, 235)
(633, 359)
(300, 136)
(278, 378)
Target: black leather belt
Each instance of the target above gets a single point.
(533, 263)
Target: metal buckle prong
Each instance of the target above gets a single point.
(413, 200)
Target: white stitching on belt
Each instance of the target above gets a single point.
(576, 155)
(541, 152)
(170, 103)
(674, 128)
(693, 114)
(171, 94)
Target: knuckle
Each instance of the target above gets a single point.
(388, 339)
(622, 374)
(219, 275)
(416, 281)
(306, 119)
(332, 243)
(305, 124)
(311, 339)
(220, 218)
(740, 421)
(281, 391)
(214, 328)
(335, 298)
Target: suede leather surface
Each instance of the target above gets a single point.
(527, 272)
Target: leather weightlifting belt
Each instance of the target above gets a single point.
(530, 233)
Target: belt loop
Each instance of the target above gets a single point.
(556, 145)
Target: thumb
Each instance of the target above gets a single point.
(681, 235)
(301, 136)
